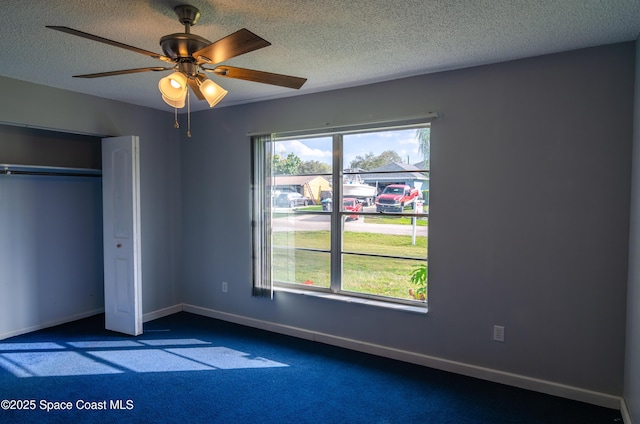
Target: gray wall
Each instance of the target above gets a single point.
(632, 364)
(529, 217)
(64, 111)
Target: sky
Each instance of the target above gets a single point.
(402, 142)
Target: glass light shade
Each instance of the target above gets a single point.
(211, 91)
(178, 104)
(174, 87)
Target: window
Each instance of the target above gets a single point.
(344, 212)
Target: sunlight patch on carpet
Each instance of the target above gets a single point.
(104, 344)
(53, 364)
(95, 357)
(225, 358)
(29, 346)
(148, 360)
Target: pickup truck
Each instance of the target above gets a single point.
(395, 197)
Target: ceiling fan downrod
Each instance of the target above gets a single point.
(188, 16)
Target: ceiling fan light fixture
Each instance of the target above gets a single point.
(174, 87)
(211, 91)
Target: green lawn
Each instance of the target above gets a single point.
(374, 275)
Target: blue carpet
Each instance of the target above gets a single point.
(191, 369)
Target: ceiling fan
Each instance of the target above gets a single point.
(189, 54)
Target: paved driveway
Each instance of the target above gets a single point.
(313, 222)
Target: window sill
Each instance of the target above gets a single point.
(421, 309)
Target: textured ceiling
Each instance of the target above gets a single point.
(332, 43)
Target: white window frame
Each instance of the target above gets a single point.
(262, 219)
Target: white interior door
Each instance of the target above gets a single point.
(121, 217)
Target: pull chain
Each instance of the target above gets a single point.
(176, 124)
(188, 114)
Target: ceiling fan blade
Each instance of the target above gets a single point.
(194, 87)
(123, 72)
(110, 42)
(258, 76)
(240, 42)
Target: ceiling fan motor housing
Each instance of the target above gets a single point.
(181, 46)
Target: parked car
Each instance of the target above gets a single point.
(276, 198)
(352, 204)
(293, 200)
(395, 197)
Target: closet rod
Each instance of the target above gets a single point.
(55, 174)
(6, 169)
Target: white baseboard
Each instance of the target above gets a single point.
(146, 317)
(626, 417)
(516, 380)
(150, 316)
(52, 323)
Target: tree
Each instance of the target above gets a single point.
(285, 166)
(314, 167)
(370, 161)
(424, 144)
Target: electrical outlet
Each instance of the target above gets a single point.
(224, 287)
(498, 333)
